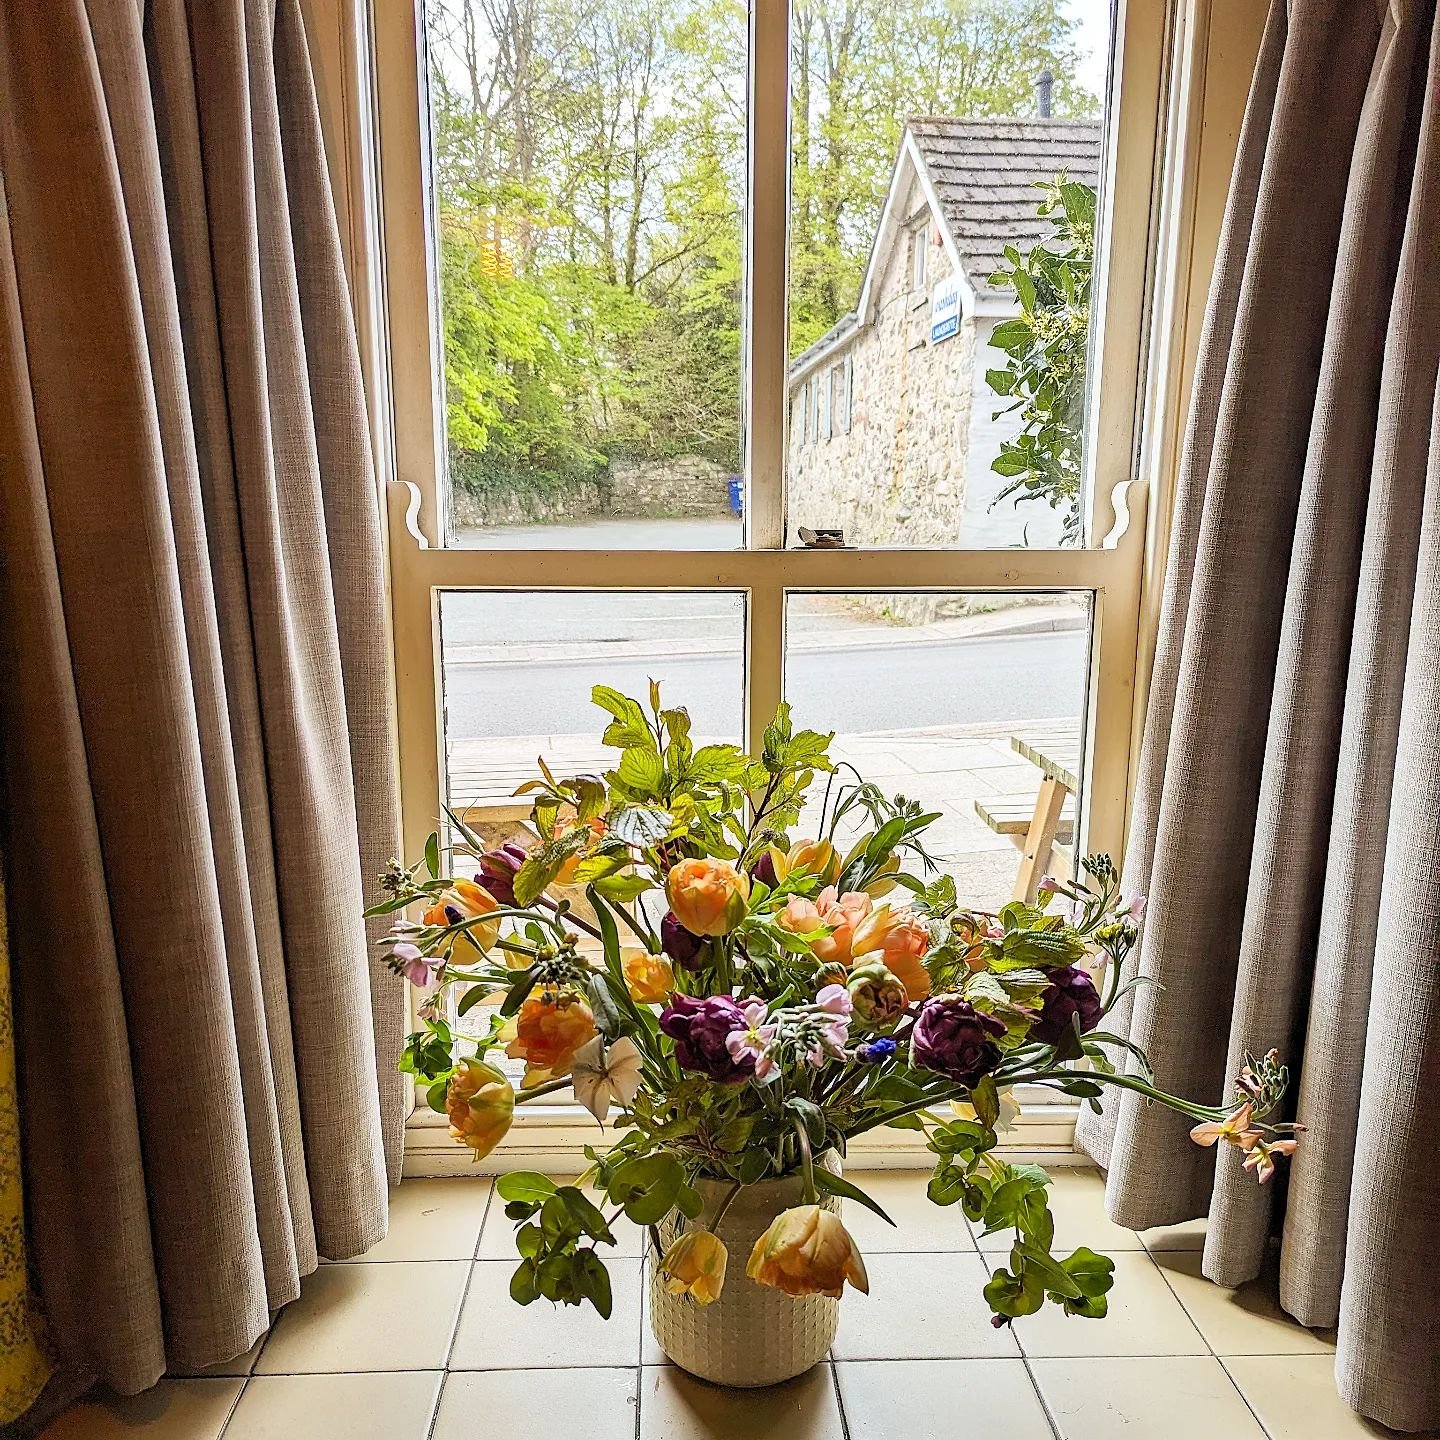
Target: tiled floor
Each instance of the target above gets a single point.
(420, 1341)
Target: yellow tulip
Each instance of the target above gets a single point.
(808, 1251)
(465, 900)
(649, 978)
(480, 1102)
(708, 897)
(695, 1266)
(814, 857)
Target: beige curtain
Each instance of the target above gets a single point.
(197, 719)
(1287, 825)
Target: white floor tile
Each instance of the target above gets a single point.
(497, 1334)
(539, 1404)
(368, 1317)
(953, 1399)
(676, 1406)
(1144, 1399)
(397, 1406)
(173, 1410)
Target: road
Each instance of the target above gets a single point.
(897, 686)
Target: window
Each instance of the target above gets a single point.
(919, 255)
(594, 340)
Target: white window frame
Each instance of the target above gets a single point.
(1151, 276)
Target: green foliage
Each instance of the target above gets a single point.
(590, 168)
(1046, 344)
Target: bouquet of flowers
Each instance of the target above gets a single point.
(738, 1004)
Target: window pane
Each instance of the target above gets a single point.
(942, 262)
(589, 180)
(517, 671)
(967, 712)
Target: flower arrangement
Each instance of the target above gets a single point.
(738, 1004)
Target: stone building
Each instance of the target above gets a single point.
(891, 428)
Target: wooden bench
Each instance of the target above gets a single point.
(1046, 820)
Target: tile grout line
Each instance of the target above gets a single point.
(839, 1398)
(460, 1312)
(1244, 1398)
(1051, 1419)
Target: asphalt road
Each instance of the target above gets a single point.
(898, 686)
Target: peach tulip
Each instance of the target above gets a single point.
(546, 1033)
(649, 978)
(808, 1251)
(707, 897)
(480, 1103)
(695, 1266)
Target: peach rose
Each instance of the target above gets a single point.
(708, 897)
(841, 913)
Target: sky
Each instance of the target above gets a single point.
(1093, 17)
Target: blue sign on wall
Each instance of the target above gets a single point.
(945, 309)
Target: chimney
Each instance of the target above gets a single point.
(1043, 87)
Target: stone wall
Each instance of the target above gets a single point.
(898, 476)
(660, 489)
(631, 489)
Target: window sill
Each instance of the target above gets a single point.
(552, 1139)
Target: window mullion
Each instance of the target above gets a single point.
(766, 353)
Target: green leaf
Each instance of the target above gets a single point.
(641, 770)
(647, 1187)
(629, 726)
(593, 1280)
(837, 1185)
(432, 854)
(528, 1186)
(584, 1213)
(811, 1115)
(523, 1288)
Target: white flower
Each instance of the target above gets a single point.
(1009, 1111)
(599, 1076)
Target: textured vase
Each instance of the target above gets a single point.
(753, 1334)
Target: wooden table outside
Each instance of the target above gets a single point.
(1055, 749)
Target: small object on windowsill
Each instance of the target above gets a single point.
(823, 539)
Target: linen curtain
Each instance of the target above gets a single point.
(1287, 819)
(24, 1358)
(197, 738)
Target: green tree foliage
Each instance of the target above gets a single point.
(1046, 345)
(590, 174)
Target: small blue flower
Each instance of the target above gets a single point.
(875, 1052)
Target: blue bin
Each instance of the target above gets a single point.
(737, 494)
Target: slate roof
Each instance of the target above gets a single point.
(984, 173)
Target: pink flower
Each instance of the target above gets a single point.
(419, 969)
(1233, 1130)
(753, 1041)
(1262, 1155)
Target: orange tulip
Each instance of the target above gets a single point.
(708, 897)
(546, 1033)
(808, 1251)
(480, 1102)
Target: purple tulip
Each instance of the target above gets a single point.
(764, 870)
(700, 1030)
(683, 947)
(1071, 992)
(953, 1037)
(498, 869)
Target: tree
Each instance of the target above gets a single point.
(590, 174)
(1046, 345)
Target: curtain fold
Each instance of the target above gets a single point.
(198, 753)
(24, 1355)
(1285, 824)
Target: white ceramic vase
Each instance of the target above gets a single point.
(752, 1335)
